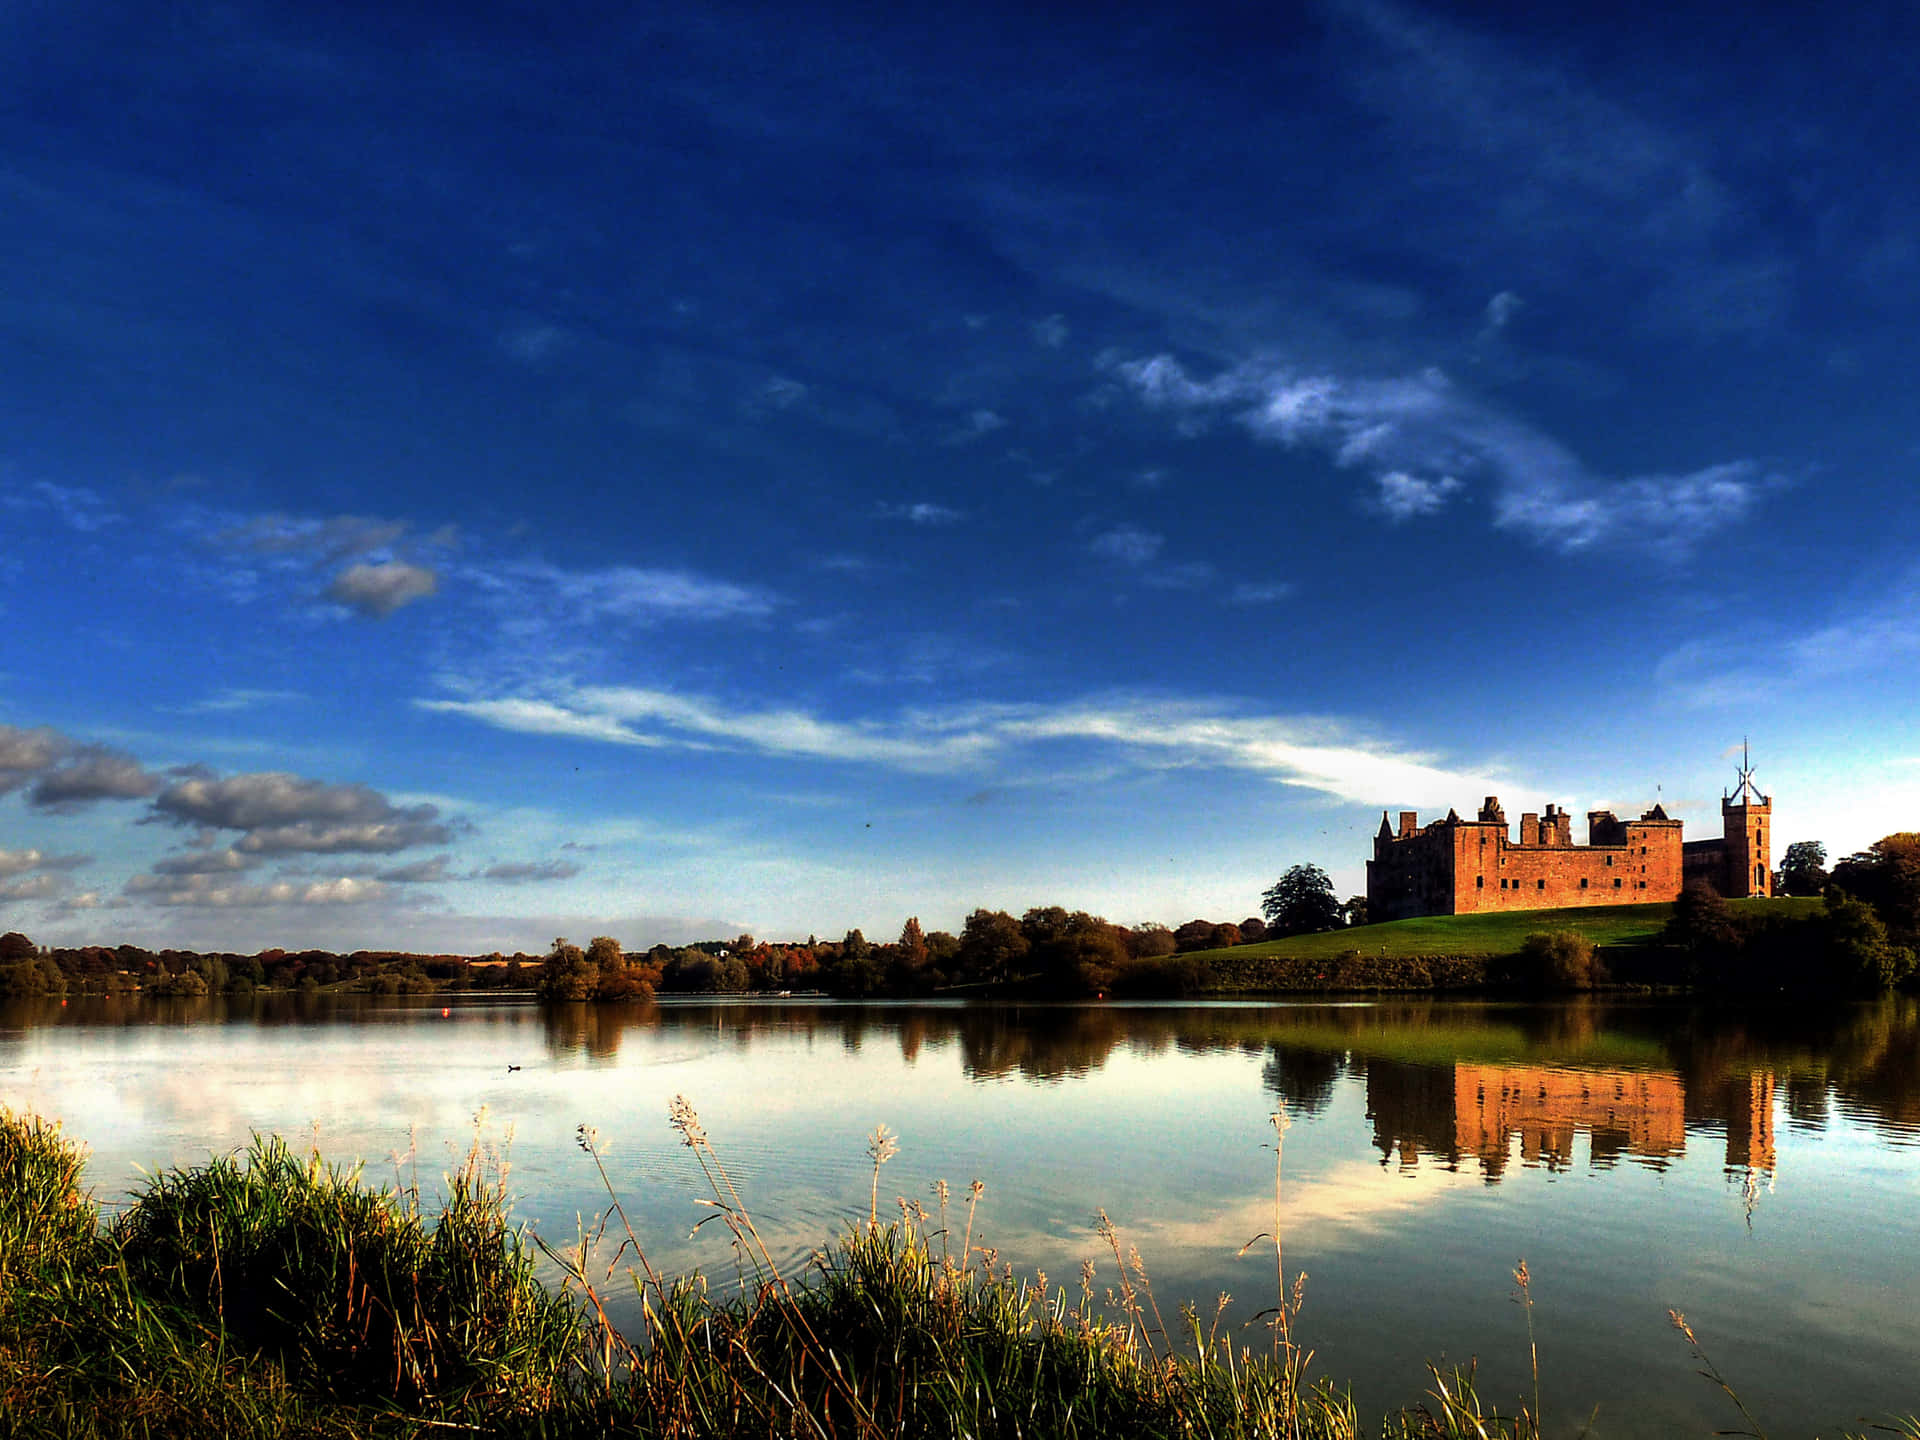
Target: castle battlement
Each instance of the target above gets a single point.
(1457, 867)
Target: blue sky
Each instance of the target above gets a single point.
(470, 475)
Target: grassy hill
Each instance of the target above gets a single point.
(1304, 962)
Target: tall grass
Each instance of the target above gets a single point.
(270, 1294)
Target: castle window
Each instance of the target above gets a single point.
(1616, 882)
(1479, 882)
(1539, 884)
(1609, 860)
(1583, 882)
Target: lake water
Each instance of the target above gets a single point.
(1759, 1171)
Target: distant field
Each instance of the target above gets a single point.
(1496, 934)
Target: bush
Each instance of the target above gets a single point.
(1559, 960)
(1162, 977)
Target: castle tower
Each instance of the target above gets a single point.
(1747, 820)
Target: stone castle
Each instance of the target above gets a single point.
(1460, 867)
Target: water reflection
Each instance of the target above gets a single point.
(1445, 1081)
(1479, 1111)
(1435, 1144)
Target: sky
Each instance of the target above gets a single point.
(475, 474)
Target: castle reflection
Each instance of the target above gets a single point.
(1453, 1083)
(1477, 1112)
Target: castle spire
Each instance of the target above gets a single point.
(1746, 794)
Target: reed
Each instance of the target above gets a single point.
(270, 1294)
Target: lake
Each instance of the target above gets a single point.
(1758, 1170)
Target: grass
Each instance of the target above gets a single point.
(273, 1295)
(1490, 934)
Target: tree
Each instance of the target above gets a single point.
(1863, 958)
(1803, 869)
(1701, 922)
(1354, 912)
(991, 944)
(1146, 941)
(1887, 876)
(567, 974)
(913, 944)
(14, 947)
(1301, 902)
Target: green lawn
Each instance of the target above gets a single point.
(1493, 934)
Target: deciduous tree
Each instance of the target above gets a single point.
(1301, 902)
(1803, 869)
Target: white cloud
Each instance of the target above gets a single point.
(210, 892)
(1148, 733)
(377, 590)
(1404, 496)
(1416, 435)
(1502, 308)
(543, 717)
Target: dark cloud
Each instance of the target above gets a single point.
(377, 590)
(225, 861)
(522, 872)
(417, 872)
(31, 887)
(284, 814)
(90, 773)
(21, 862)
(25, 753)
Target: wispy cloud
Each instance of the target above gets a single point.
(528, 872)
(1875, 636)
(234, 699)
(77, 506)
(1052, 332)
(1405, 496)
(1416, 435)
(1128, 544)
(924, 512)
(1257, 592)
(631, 594)
(977, 426)
(1314, 755)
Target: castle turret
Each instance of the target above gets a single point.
(1746, 819)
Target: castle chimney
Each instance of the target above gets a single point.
(1529, 827)
(1409, 822)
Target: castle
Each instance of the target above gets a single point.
(1459, 867)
